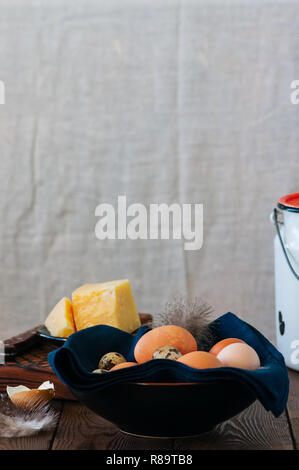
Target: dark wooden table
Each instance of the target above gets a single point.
(79, 428)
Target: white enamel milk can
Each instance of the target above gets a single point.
(286, 263)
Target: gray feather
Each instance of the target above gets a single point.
(194, 315)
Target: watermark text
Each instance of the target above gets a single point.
(159, 221)
(294, 96)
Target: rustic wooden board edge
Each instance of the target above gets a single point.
(26, 362)
(15, 376)
(22, 342)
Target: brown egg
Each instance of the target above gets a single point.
(123, 365)
(200, 360)
(25, 398)
(170, 335)
(223, 343)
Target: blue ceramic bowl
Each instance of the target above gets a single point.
(164, 398)
(168, 410)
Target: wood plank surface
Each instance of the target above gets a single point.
(81, 429)
(254, 428)
(293, 407)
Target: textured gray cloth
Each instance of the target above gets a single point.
(164, 101)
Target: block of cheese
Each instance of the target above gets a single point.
(60, 321)
(108, 303)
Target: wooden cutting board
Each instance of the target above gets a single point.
(26, 361)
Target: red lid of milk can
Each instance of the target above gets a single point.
(289, 202)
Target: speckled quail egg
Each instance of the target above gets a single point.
(110, 360)
(167, 352)
(99, 371)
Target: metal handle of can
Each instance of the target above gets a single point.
(276, 223)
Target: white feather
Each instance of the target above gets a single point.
(15, 422)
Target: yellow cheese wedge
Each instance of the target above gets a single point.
(60, 321)
(108, 303)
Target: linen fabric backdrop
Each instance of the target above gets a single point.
(164, 102)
